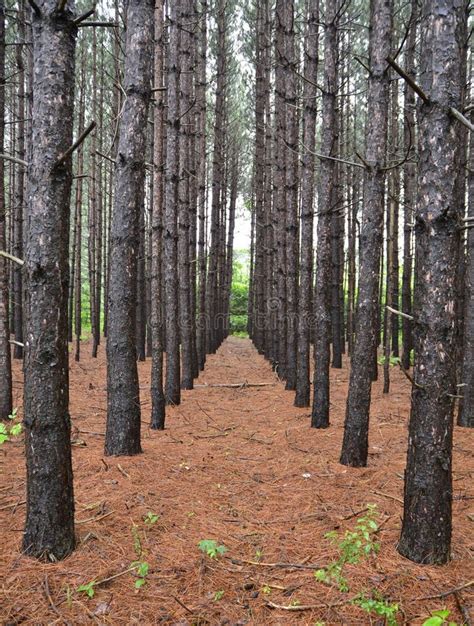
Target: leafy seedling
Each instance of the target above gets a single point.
(142, 569)
(151, 518)
(379, 606)
(88, 588)
(352, 547)
(439, 618)
(6, 432)
(211, 548)
(218, 595)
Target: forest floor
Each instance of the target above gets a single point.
(242, 467)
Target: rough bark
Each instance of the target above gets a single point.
(279, 188)
(291, 189)
(302, 397)
(201, 173)
(426, 529)
(356, 427)
(5, 352)
(49, 527)
(322, 301)
(409, 188)
(123, 405)
(184, 185)
(157, 392)
(19, 191)
(170, 224)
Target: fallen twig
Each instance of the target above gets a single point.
(310, 566)
(463, 609)
(186, 608)
(444, 594)
(234, 385)
(12, 506)
(53, 606)
(94, 519)
(387, 495)
(308, 607)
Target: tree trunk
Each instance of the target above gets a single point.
(5, 352)
(19, 192)
(356, 427)
(49, 527)
(184, 208)
(322, 302)
(201, 173)
(123, 404)
(157, 392)
(409, 191)
(170, 225)
(311, 46)
(466, 406)
(426, 529)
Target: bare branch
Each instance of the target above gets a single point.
(84, 16)
(75, 145)
(35, 7)
(416, 88)
(10, 257)
(7, 157)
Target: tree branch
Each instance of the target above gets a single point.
(15, 259)
(418, 90)
(84, 16)
(75, 145)
(7, 157)
(35, 7)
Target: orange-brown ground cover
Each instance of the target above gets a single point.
(240, 466)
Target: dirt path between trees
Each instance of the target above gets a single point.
(242, 467)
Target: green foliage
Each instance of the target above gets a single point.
(239, 294)
(142, 568)
(218, 595)
(150, 518)
(438, 618)
(6, 432)
(379, 606)
(352, 547)
(392, 360)
(211, 548)
(266, 589)
(88, 588)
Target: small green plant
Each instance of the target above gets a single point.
(392, 360)
(379, 606)
(258, 555)
(88, 588)
(295, 603)
(211, 548)
(439, 618)
(218, 595)
(150, 518)
(142, 569)
(6, 432)
(353, 546)
(266, 589)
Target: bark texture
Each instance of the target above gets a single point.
(123, 405)
(322, 300)
(157, 392)
(302, 397)
(5, 352)
(356, 427)
(49, 527)
(426, 530)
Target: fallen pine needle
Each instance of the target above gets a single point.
(307, 607)
(94, 519)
